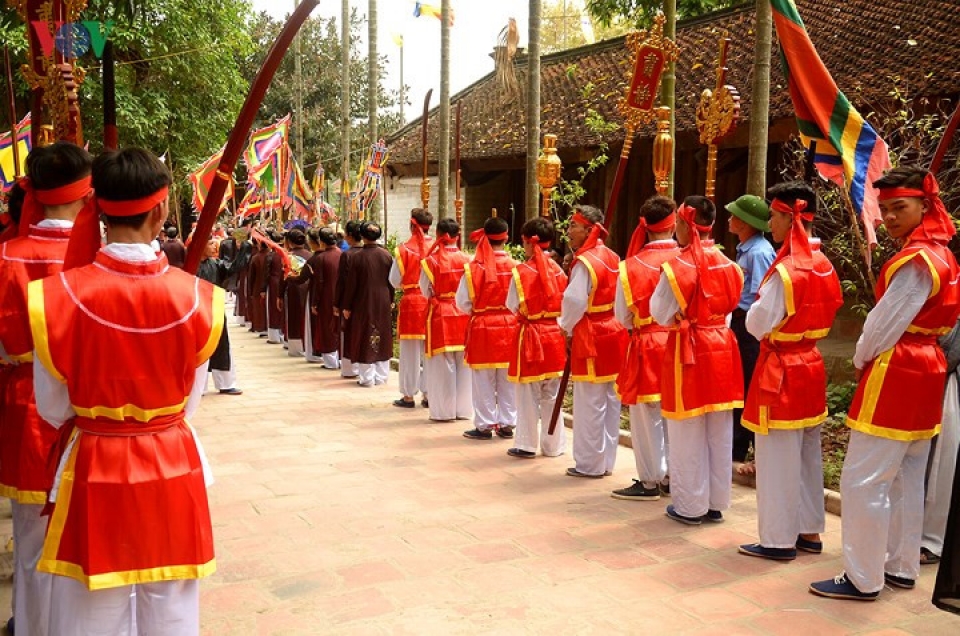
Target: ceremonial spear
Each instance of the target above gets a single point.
(457, 200)
(238, 135)
(425, 181)
(651, 52)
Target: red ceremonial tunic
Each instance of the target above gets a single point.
(126, 339)
(639, 379)
(900, 395)
(25, 438)
(788, 389)
(714, 381)
(492, 327)
(539, 349)
(446, 324)
(599, 340)
(412, 313)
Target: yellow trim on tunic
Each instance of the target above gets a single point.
(703, 410)
(765, 424)
(522, 300)
(425, 268)
(591, 375)
(625, 284)
(22, 358)
(531, 379)
(892, 433)
(491, 365)
(871, 392)
(469, 276)
(413, 337)
(674, 285)
(788, 297)
(933, 272)
(38, 327)
(940, 331)
(593, 281)
(51, 546)
(35, 497)
(813, 334)
(120, 413)
(216, 327)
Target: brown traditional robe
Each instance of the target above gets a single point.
(342, 273)
(292, 291)
(274, 277)
(326, 336)
(368, 296)
(256, 284)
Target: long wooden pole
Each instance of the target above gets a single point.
(241, 129)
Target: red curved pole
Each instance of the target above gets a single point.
(241, 129)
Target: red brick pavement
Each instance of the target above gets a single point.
(337, 513)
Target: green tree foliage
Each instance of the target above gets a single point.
(641, 12)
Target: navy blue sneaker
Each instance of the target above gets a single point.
(813, 547)
(676, 516)
(840, 587)
(478, 434)
(774, 554)
(899, 581)
(713, 516)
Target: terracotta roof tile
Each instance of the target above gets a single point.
(863, 42)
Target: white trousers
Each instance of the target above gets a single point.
(494, 399)
(240, 320)
(882, 490)
(701, 463)
(411, 368)
(942, 465)
(535, 402)
(331, 360)
(308, 334)
(789, 485)
(295, 347)
(167, 608)
(31, 589)
(225, 379)
(448, 382)
(596, 427)
(373, 374)
(274, 336)
(648, 433)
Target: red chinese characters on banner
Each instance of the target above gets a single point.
(646, 78)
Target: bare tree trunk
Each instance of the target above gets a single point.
(531, 209)
(760, 102)
(345, 107)
(443, 187)
(298, 75)
(668, 84)
(373, 88)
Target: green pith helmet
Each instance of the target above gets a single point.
(752, 210)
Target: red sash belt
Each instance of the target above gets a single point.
(685, 332)
(126, 428)
(530, 339)
(412, 288)
(584, 340)
(772, 368)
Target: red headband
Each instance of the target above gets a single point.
(132, 207)
(885, 194)
(85, 237)
(581, 220)
(32, 210)
(797, 243)
(533, 240)
(485, 258)
(639, 238)
(597, 232)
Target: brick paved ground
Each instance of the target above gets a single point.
(337, 513)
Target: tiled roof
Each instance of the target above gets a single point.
(863, 42)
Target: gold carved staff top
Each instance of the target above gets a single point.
(717, 115)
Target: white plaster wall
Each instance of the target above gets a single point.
(403, 194)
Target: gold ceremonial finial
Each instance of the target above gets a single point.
(548, 171)
(493, 213)
(650, 52)
(717, 115)
(662, 151)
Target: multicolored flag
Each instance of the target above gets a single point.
(430, 10)
(250, 205)
(298, 193)
(265, 142)
(8, 175)
(370, 179)
(202, 179)
(849, 151)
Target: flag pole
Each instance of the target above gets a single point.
(861, 242)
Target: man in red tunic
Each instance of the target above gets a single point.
(412, 312)
(57, 188)
(598, 343)
(448, 379)
(702, 380)
(638, 384)
(899, 400)
(798, 299)
(130, 514)
(483, 294)
(538, 352)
